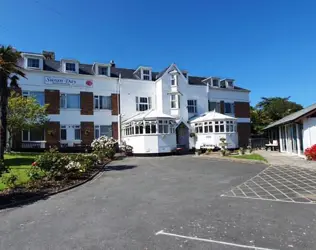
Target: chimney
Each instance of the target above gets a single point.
(49, 55)
(112, 63)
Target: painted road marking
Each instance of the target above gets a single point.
(212, 241)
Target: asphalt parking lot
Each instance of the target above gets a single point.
(176, 202)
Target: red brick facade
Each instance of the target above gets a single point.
(115, 106)
(52, 134)
(115, 130)
(87, 133)
(52, 97)
(86, 103)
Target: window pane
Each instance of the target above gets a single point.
(221, 128)
(36, 134)
(70, 67)
(63, 134)
(205, 129)
(63, 101)
(160, 129)
(147, 129)
(105, 102)
(106, 130)
(143, 99)
(25, 135)
(228, 108)
(146, 77)
(143, 107)
(103, 71)
(216, 128)
(77, 133)
(73, 101)
(153, 129)
(211, 106)
(215, 83)
(33, 63)
(39, 96)
(96, 132)
(96, 102)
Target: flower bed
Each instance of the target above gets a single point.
(53, 171)
(310, 153)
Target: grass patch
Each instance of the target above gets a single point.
(255, 157)
(19, 164)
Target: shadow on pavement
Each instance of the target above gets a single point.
(119, 167)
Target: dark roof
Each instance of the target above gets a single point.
(294, 116)
(86, 69)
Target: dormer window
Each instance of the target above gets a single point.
(33, 63)
(103, 70)
(146, 74)
(230, 83)
(223, 84)
(71, 67)
(215, 83)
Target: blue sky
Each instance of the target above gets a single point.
(268, 46)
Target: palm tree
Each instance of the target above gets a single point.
(9, 76)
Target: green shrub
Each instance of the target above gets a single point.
(10, 180)
(52, 162)
(104, 147)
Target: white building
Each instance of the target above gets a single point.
(295, 132)
(89, 100)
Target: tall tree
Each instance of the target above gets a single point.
(9, 76)
(269, 110)
(24, 114)
(278, 107)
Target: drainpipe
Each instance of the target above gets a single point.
(119, 109)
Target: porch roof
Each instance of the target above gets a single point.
(293, 117)
(147, 115)
(211, 116)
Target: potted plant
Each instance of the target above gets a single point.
(223, 144)
(51, 132)
(87, 132)
(249, 148)
(241, 151)
(192, 134)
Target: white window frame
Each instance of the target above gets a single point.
(218, 83)
(175, 101)
(194, 106)
(98, 127)
(32, 58)
(27, 93)
(139, 103)
(99, 97)
(229, 86)
(72, 128)
(65, 106)
(100, 67)
(173, 80)
(148, 75)
(61, 128)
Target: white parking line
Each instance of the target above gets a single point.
(212, 241)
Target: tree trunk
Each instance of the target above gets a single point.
(3, 107)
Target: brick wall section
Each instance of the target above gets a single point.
(115, 130)
(52, 134)
(87, 133)
(243, 130)
(86, 103)
(222, 107)
(52, 97)
(242, 110)
(115, 108)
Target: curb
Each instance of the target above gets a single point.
(35, 198)
(227, 158)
